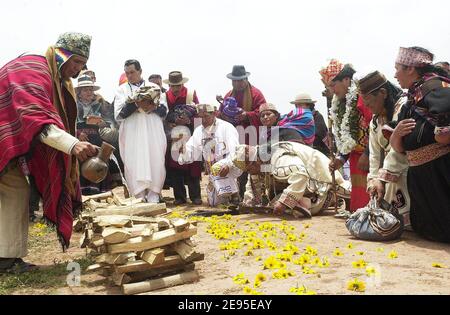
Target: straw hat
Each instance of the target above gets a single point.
(86, 81)
(303, 98)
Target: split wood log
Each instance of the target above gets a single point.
(113, 220)
(158, 239)
(92, 205)
(187, 252)
(115, 259)
(140, 265)
(142, 209)
(113, 235)
(153, 256)
(180, 224)
(94, 267)
(158, 272)
(97, 196)
(97, 243)
(151, 285)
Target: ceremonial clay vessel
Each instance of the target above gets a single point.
(95, 169)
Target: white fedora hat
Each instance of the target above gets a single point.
(303, 98)
(86, 81)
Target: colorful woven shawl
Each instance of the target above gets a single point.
(301, 120)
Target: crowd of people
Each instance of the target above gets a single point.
(396, 141)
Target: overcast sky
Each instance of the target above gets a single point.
(282, 43)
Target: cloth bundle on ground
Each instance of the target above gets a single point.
(376, 223)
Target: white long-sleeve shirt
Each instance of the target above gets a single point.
(214, 143)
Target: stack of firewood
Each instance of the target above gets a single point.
(136, 246)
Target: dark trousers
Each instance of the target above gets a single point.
(242, 180)
(181, 178)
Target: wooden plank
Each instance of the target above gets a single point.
(141, 265)
(153, 256)
(158, 272)
(151, 285)
(187, 252)
(158, 239)
(142, 209)
(180, 224)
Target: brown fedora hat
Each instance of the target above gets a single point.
(371, 82)
(175, 78)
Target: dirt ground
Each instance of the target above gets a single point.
(421, 267)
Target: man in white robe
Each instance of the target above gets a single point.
(142, 140)
(214, 140)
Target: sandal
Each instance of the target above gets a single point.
(18, 266)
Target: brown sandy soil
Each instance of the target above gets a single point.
(410, 273)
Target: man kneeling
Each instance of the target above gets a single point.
(289, 176)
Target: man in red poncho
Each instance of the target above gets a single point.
(37, 139)
(249, 98)
(179, 99)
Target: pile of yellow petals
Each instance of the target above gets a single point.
(283, 274)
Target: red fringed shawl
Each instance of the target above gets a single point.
(26, 107)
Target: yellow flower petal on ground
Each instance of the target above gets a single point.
(260, 277)
(247, 290)
(248, 253)
(337, 253)
(438, 265)
(356, 285)
(370, 271)
(311, 251)
(380, 249)
(307, 226)
(257, 284)
(349, 245)
(258, 258)
(360, 253)
(393, 254)
(271, 263)
(359, 264)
